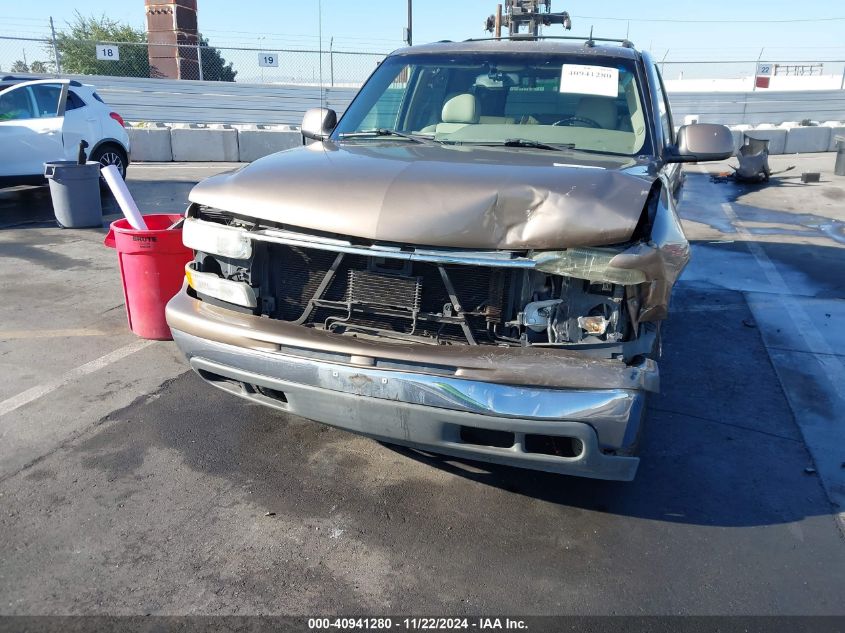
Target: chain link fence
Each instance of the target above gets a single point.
(735, 68)
(683, 69)
(45, 56)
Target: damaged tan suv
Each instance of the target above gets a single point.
(474, 261)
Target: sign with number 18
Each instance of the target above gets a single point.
(108, 52)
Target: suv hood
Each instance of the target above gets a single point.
(446, 196)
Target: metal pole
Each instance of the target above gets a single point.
(199, 57)
(498, 21)
(55, 48)
(759, 57)
(663, 63)
(261, 50)
(410, 23)
(842, 84)
(331, 61)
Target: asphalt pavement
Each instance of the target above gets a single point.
(128, 486)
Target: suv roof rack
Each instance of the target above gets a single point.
(588, 41)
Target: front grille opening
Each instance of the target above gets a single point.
(217, 378)
(372, 296)
(239, 387)
(487, 437)
(271, 393)
(553, 445)
(267, 392)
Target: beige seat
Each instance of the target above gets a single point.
(458, 112)
(602, 110)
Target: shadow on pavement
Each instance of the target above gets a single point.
(720, 447)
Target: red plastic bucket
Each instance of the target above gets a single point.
(152, 267)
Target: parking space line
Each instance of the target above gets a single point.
(34, 393)
(12, 335)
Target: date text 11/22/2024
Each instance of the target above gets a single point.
(415, 624)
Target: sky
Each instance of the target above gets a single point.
(712, 30)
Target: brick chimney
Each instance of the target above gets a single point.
(172, 36)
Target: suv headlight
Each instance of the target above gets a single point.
(216, 239)
(212, 285)
(592, 264)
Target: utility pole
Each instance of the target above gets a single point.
(199, 55)
(531, 14)
(55, 48)
(409, 31)
(497, 25)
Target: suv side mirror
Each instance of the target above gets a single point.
(318, 123)
(701, 142)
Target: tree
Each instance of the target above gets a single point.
(76, 46)
(19, 67)
(214, 67)
(78, 53)
(39, 68)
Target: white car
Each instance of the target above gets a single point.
(44, 120)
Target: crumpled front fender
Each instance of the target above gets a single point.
(661, 260)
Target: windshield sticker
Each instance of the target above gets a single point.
(589, 80)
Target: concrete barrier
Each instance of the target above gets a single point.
(837, 128)
(255, 143)
(739, 132)
(204, 144)
(775, 136)
(246, 143)
(804, 139)
(150, 144)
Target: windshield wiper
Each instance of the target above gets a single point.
(604, 152)
(515, 142)
(383, 131)
(524, 142)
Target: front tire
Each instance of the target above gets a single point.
(111, 154)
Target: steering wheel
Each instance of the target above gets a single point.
(575, 121)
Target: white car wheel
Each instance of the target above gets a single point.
(110, 155)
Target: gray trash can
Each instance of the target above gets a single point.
(75, 190)
(839, 167)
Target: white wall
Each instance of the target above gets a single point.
(746, 84)
(171, 101)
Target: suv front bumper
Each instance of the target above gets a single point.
(421, 405)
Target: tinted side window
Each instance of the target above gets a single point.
(15, 105)
(46, 99)
(73, 101)
(665, 112)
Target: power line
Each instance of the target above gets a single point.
(299, 35)
(732, 21)
(25, 19)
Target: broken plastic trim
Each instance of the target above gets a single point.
(592, 264)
